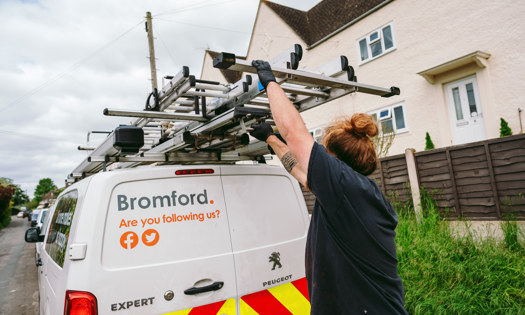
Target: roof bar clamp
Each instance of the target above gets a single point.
(155, 94)
(295, 57)
(393, 91)
(105, 163)
(224, 60)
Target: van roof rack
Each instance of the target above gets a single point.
(191, 121)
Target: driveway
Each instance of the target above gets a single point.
(18, 273)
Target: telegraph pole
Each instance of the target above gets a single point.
(149, 30)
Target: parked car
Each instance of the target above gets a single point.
(175, 238)
(38, 233)
(20, 214)
(27, 213)
(34, 216)
(40, 219)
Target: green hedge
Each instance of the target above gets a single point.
(6, 192)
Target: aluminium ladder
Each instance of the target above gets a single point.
(193, 121)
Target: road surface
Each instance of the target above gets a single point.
(18, 273)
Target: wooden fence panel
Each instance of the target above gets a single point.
(479, 181)
(486, 180)
(434, 176)
(508, 161)
(473, 183)
(395, 183)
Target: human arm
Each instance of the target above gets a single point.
(286, 117)
(288, 160)
(264, 132)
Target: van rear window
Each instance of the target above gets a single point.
(58, 235)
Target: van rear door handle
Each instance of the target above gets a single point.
(212, 287)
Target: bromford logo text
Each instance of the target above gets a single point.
(132, 203)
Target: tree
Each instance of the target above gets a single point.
(20, 197)
(6, 192)
(504, 129)
(429, 145)
(383, 141)
(44, 186)
(6, 181)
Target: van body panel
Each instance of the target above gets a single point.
(164, 221)
(151, 235)
(268, 230)
(56, 269)
(166, 234)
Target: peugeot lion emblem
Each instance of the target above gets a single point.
(275, 257)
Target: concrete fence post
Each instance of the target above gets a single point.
(414, 183)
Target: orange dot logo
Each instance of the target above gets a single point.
(150, 237)
(129, 240)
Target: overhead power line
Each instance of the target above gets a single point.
(193, 6)
(68, 70)
(25, 135)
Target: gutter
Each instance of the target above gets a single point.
(342, 28)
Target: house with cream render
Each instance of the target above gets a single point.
(458, 64)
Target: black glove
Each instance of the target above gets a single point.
(264, 71)
(261, 131)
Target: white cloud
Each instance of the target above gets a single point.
(62, 62)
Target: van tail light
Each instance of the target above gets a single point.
(195, 171)
(80, 303)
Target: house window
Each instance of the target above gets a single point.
(376, 43)
(390, 119)
(317, 134)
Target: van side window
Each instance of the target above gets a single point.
(60, 226)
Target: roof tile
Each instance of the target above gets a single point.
(324, 18)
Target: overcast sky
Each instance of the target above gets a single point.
(62, 62)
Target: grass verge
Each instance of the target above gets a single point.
(450, 275)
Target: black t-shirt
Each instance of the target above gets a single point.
(351, 261)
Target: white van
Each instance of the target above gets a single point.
(41, 217)
(211, 239)
(39, 244)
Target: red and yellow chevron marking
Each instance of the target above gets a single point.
(289, 298)
(221, 307)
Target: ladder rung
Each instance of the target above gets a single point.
(207, 94)
(259, 101)
(152, 115)
(151, 128)
(184, 102)
(175, 94)
(307, 92)
(181, 108)
(213, 87)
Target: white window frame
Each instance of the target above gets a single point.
(390, 115)
(380, 38)
(317, 134)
